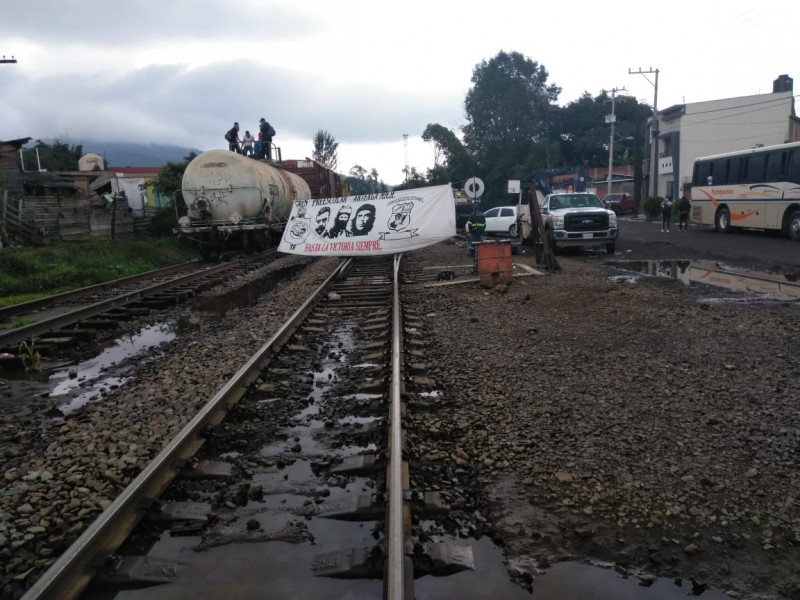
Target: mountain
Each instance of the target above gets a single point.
(125, 154)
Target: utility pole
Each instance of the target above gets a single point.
(405, 145)
(653, 129)
(612, 118)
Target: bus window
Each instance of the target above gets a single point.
(793, 167)
(719, 171)
(735, 170)
(702, 171)
(754, 169)
(774, 166)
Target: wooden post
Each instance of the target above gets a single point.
(547, 260)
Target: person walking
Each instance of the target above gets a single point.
(232, 137)
(475, 228)
(247, 144)
(666, 214)
(684, 208)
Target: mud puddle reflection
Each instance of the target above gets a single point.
(756, 285)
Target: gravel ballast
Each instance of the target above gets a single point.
(631, 420)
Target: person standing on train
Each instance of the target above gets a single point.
(267, 133)
(247, 144)
(232, 137)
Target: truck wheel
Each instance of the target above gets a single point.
(512, 231)
(611, 248)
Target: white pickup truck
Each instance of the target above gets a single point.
(572, 219)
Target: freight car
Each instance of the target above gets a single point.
(323, 182)
(236, 202)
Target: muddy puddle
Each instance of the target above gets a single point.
(69, 385)
(753, 285)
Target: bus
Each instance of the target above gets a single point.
(756, 188)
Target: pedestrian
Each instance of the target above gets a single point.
(475, 228)
(247, 144)
(267, 133)
(684, 208)
(232, 137)
(666, 214)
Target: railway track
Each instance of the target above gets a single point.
(313, 436)
(67, 319)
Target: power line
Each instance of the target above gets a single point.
(715, 110)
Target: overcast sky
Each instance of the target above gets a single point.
(367, 71)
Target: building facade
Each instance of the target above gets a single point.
(685, 132)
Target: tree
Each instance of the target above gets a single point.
(451, 162)
(58, 156)
(358, 172)
(509, 109)
(363, 182)
(325, 149)
(170, 181)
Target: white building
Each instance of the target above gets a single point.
(688, 131)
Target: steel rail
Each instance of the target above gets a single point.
(11, 337)
(32, 305)
(72, 572)
(395, 584)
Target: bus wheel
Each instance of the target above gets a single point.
(723, 220)
(793, 225)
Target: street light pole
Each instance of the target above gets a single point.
(612, 118)
(654, 129)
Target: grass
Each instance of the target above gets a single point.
(30, 273)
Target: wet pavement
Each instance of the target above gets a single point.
(758, 286)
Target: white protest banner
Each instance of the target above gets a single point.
(370, 224)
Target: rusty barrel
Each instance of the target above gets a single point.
(494, 263)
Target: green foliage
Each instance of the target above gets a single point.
(29, 355)
(28, 273)
(361, 182)
(325, 149)
(57, 156)
(451, 161)
(509, 109)
(652, 207)
(170, 180)
(164, 221)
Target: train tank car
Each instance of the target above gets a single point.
(236, 202)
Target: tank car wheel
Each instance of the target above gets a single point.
(793, 225)
(723, 220)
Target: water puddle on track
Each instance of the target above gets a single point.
(70, 386)
(753, 285)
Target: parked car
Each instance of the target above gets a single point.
(620, 203)
(579, 219)
(501, 220)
